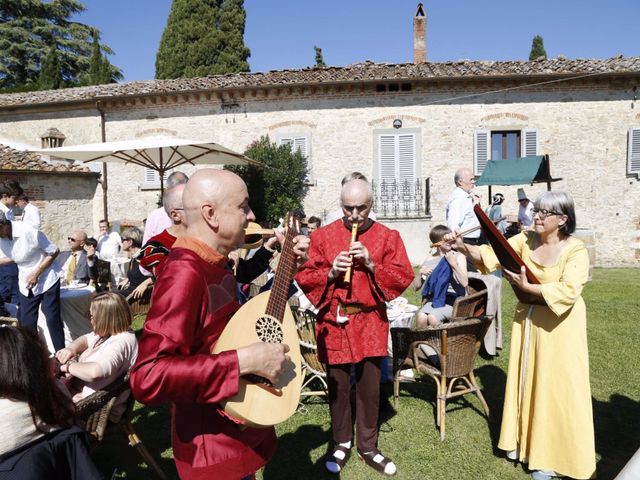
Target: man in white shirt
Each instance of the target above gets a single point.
(158, 220)
(525, 212)
(30, 213)
(109, 242)
(38, 275)
(459, 213)
(9, 191)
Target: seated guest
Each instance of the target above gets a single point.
(73, 262)
(30, 213)
(97, 359)
(445, 277)
(109, 242)
(101, 267)
(136, 282)
(31, 403)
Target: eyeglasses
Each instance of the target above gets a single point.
(71, 239)
(544, 213)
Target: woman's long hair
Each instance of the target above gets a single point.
(26, 376)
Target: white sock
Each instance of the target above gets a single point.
(389, 469)
(333, 467)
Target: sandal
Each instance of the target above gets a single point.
(384, 466)
(333, 458)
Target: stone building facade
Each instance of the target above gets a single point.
(408, 127)
(62, 192)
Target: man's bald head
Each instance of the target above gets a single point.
(356, 200)
(358, 188)
(216, 206)
(76, 240)
(464, 179)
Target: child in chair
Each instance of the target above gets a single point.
(445, 278)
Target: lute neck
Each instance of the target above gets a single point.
(279, 293)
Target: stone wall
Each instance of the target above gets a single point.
(583, 128)
(64, 200)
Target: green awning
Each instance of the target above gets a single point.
(517, 171)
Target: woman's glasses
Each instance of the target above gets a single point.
(544, 213)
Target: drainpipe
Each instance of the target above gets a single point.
(105, 206)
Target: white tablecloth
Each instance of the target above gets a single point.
(74, 311)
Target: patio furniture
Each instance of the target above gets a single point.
(93, 414)
(140, 306)
(314, 369)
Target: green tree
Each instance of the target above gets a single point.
(50, 77)
(100, 69)
(537, 48)
(203, 37)
(319, 59)
(279, 186)
(29, 28)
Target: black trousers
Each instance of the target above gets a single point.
(367, 402)
(50, 301)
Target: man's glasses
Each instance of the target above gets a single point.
(544, 213)
(71, 239)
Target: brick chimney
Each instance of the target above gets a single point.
(420, 36)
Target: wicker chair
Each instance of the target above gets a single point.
(93, 415)
(140, 306)
(314, 369)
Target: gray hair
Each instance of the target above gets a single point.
(559, 202)
(458, 175)
(134, 234)
(176, 178)
(353, 176)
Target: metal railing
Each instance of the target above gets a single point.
(401, 198)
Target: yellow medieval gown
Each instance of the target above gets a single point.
(547, 414)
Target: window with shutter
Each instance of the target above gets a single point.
(151, 178)
(397, 157)
(529, 143)
(480, 151)
(302, 144)
(633, 152)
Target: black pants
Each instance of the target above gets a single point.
(367, 402)
(50, 301)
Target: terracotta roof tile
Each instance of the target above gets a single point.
(365, 71)
(22, 160)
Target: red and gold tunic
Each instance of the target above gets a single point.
(192, 302)
(365, 333)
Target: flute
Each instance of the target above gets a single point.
(354, 234)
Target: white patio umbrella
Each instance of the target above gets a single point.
(159, 153)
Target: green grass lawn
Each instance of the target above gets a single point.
(410, 436)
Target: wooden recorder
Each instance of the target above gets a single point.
(354, 234)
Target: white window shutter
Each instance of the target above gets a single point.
(151, 176)
(387, 157)
(529, 143)
(302, 145)
(406, 157)
(480, 151)
(633, 153)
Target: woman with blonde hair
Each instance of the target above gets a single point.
(96, 359)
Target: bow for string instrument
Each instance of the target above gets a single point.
(267, 318)
(465, 232)
(354, 236)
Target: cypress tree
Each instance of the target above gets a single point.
(537, 48)
(319, 59)
(203, 37)
(50, 77)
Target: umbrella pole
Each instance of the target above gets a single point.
(161, 187)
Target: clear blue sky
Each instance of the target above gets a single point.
(281, 33)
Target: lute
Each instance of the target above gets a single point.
(267, 318)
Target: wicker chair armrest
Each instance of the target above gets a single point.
(98, 399)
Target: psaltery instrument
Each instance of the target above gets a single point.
(507, 256)
(354, 235)
(267, 318)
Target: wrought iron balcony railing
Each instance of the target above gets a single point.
(393, 198)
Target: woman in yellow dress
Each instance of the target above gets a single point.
(547, 419)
